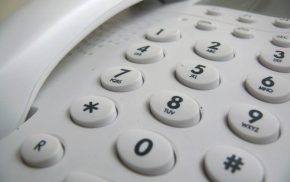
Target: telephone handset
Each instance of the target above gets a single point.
(33, 42)
(159, 91)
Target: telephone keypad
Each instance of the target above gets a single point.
(145, 152)
(246, 18)
(282, 23)
(214, 50)
(253, 124)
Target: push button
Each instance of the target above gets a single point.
(268, 88)
(243, 33)
(163, 34)
(214, 50)
(282, 23)
(254, 124)
(276, 59)
(247, 18)
(205, 25)
(41, 150)
(228, 164)
(175, 109)
(145, 152)
(198, 75)
(122, 79)
(144, 53)
(93, 111)
(281, 40)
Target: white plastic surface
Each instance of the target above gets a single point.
(282, 22)
(48, 30)
(205, 25)
(243, 33)
(281, 40)
(82, 177)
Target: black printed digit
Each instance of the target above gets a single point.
(268, 82)
(198, 69)
(143, 147)
(174, 103)
(143, 49)
(255, 115)
(215, 45)
(279, 55)
(124, 71)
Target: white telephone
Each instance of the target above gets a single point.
(162, 91)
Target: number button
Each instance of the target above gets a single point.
(282, 23)
(243, 33)
(246, 18)
(281, 40)
(214, 50)
(254, 124)
(228, 164)
(268, 88)
(198, 76)
(93, 111)
(41, 150)
(121, 79)
(205, 25)
(144, 53)
(145, 152)
(163, 34)
(175, 109)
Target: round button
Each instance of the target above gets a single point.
(163, 34)
(228, 164)
(198, 75)
(93, 111)
(243, 33)
(144, 53)
(254, 124)
(276, 59)
(246, 18)
(145, 152)
(205, 25)
(214, 50)
(213, 12)
(282, 23)
(175, 109)
(121, 79)
(41, 150)
(281, 40)
(268, 88)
